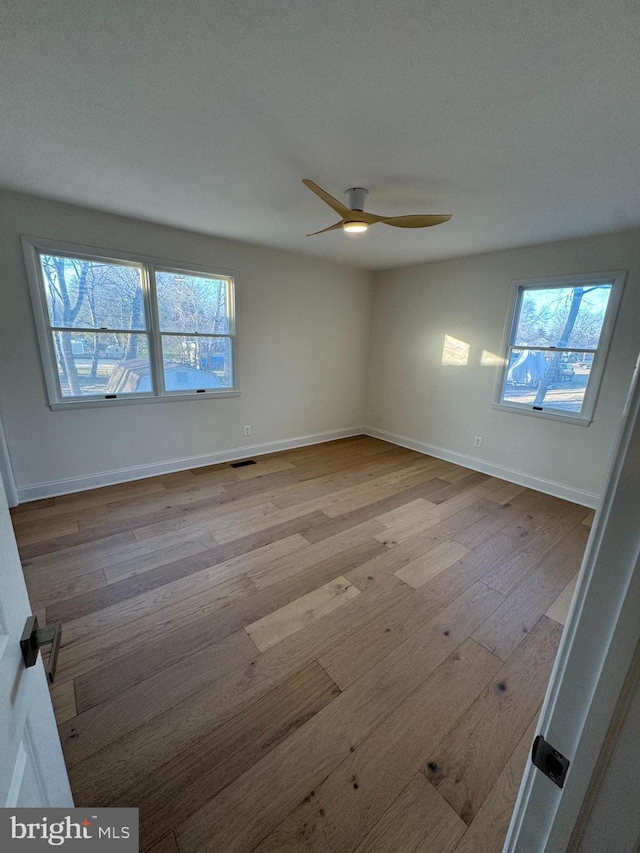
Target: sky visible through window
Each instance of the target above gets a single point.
(110, 350)
(567, 318)
(544, 314)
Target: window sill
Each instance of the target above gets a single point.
(577, 420)
(95, 402)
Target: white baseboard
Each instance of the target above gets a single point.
(124, 475)
(549, 487)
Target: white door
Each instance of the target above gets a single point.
(594, 659)
(32, 771)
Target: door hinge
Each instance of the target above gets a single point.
(551, 762)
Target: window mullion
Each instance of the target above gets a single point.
(57, 331)
(155, 336)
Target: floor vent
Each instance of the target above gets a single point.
(243, 463)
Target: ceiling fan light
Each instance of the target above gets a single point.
(355, 227)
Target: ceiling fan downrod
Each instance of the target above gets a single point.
(357, 197)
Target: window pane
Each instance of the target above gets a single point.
(192, 303)
(551, 380)
(93, 294)
(562, 316)
(102, 363)
(191, 363)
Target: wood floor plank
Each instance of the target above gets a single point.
(73, 561)
(467, 764)
(507, 576)
(395, 558)
(419, 571)
(415, 546)
(369, 446)
(163, 697)
(492, 522)
(105, 553)
(127, 655)
(367, 493)
(141, 564)
(63, 697)
(252, 806)
(177, 789)
(271, 466)
(90, 731)
(291, 618)
(290, 565)
(210, 550)
(489, 828)
(336, 477)
(460, 501)
(230, 527)
(419, 821)
(370, 511)
(352, 799)
(448, 491)
(505, 629)
(504, 491)
(141, 576)
(49, 591)
(559, 610)
(30, 532)
(438, 605)
(129, 750)
(80, 655)
(248, 513)
(456, 473)
(168, 844)
(190, 499)
(163, 520)
(205, 591)
(423, 471)
(418, 507)
(393, 536)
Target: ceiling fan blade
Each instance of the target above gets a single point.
(330, 228)
(418, 220)
(338, 206)
(364, 216)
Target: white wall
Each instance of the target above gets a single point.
(303, 331)
(412, 394)
(613, 822)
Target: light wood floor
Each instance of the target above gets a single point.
(340, 648)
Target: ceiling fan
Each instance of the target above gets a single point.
(356, 221)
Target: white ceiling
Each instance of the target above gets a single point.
(522, 119)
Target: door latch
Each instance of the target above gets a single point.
(551, 762)
(32, 640)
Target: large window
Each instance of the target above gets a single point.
(120, 328)
(558, 335)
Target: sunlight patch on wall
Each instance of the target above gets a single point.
(455, 352)
(490, 359)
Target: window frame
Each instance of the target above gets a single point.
(615, 278)
(33, 247)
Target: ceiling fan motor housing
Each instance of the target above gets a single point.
(357, 197)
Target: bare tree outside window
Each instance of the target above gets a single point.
(129, 327)
(556, 335)
(92, 306)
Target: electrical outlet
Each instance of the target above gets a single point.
(477, 441)
(247, 429)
